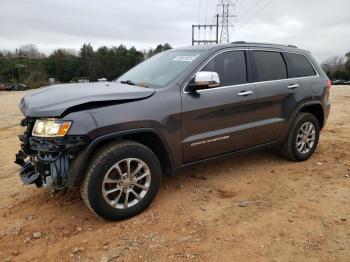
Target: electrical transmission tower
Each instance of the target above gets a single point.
(226, 16)
(223, 21)
(205, 38)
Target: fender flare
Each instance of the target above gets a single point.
(300, 107)
(78, 165)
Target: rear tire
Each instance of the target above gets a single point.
(302, 139)
(121, 181)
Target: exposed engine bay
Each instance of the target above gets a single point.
(45, 162)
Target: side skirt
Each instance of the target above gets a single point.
(227, 155)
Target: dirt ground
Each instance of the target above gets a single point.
(254, 207)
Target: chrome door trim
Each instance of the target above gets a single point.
(251, 83)
(245, 93)
(292, 86)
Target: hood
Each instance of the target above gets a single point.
(54, 100)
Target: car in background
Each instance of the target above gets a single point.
(16, 87)
(339, 82)
(2, 87)
(83, 80)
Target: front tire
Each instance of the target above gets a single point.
(121, 181)
(302, 139)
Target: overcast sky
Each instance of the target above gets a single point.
(321, 26)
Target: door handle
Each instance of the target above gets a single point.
(245, 93)
(292, 86)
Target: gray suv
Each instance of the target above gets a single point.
(114, 140)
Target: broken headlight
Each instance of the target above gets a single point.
(51, 127)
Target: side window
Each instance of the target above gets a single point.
(298, 66)
(230, 66)
(270, 66)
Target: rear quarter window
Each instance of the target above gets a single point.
(298, 65)
(269, 66)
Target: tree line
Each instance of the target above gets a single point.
(337, 67)
(29, 66)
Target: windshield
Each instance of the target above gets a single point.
(160, 69)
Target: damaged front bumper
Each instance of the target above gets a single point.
(47, 161)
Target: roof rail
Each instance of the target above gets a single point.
(239, 42)
(256, 43)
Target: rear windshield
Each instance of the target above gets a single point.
(161, 69)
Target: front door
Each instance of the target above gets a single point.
(221, 119)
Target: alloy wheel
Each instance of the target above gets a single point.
(126, 183)
(306, 137)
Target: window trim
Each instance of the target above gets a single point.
(245, 57)
(256, 66)
(249, 55)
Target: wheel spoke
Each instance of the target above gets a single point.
(307, 146)
(126, 200)
(138, 168)
(107, 192)
(304, 148)
(300, 146)
(311, 127)
(312, 133)
(109, 180)
(117, 167)
(116, 200)
(128, 162)
(136, 195)
(142, 176)
(141, 186)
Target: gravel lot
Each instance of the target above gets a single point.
(254, 207)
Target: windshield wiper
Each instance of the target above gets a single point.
(128, 82)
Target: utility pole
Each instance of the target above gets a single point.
(18, 65)
(226, 16)
(199, 28)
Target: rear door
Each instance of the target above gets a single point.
(219, 120)
(277, 95)
(300, 67)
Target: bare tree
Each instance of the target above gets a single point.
(333, 64)
(29, 50)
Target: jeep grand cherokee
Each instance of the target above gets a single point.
(114, 140)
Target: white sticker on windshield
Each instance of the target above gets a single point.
(185, 58)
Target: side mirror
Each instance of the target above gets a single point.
(203, 80)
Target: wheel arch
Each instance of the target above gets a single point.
(315, 109)
(149, 137)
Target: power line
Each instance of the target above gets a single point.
(205, 18)
(257, 12)
(199, 11)
(249, 9)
